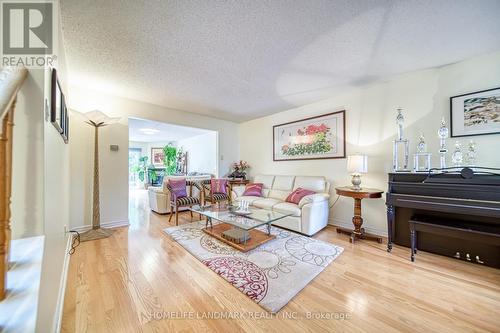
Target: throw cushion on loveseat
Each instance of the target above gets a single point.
(297, 195)
(253, 189)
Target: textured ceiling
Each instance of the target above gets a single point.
(248, 58)
(138, 130)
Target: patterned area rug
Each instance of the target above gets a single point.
(271, 274)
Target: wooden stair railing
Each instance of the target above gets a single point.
(11, 79)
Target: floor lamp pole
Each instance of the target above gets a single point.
(96, 232)
(96, 214)
(96, 119)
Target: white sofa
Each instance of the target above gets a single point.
(309, 216)
(159, 197)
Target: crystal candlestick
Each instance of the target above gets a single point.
(457, 156)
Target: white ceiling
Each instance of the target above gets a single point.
(243, 59)
(160, 132)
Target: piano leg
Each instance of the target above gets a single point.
(390, 227)
(413, 242)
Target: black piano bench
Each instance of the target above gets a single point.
(451, 228)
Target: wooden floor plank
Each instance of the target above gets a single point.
(127, 282)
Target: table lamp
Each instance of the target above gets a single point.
(356, 165)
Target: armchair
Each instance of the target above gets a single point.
(188, 201)
(159, 196)
(215, 197)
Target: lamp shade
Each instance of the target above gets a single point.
(96, 117)
(357, 163)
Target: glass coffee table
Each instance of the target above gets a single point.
(238, 228)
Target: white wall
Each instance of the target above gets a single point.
(81, 145)
(202, 153)
(114, 201)
(28, 158)
(114, 170)
(370, 129)
(143, 146)
(56, 206)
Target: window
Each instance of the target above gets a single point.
(133, 162)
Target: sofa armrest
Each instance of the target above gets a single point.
(313, 198)
(314, 215)
(157, 189)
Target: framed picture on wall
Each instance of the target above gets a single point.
(65, 127)
(58, 110)
(312, 138)
(56, 103)
(476, 113)
(157, 157)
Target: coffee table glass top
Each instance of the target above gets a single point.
(250, 219)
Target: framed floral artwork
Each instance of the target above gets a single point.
(311, 138)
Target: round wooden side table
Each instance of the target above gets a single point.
(357, 220)
(236, 182)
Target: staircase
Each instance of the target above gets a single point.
(11, 80)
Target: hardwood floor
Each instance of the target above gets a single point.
(131, 281)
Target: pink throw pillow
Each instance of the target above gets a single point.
(178, 187)
(218, 186)
(297, 195)
(253, 189)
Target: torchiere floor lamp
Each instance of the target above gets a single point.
(97, 119)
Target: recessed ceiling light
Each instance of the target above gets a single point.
(149, 131)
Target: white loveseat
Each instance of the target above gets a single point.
(309, 216)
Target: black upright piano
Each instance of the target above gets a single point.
(459, 212)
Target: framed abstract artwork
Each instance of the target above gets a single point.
(157, 157)
(311, 138)
(476, 113)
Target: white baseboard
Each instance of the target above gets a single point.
(62, 286)
(348, 225)
(111, 224)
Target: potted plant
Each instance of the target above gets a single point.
(153, 176)
(239, 169)
(170, 160)
(141, 170)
